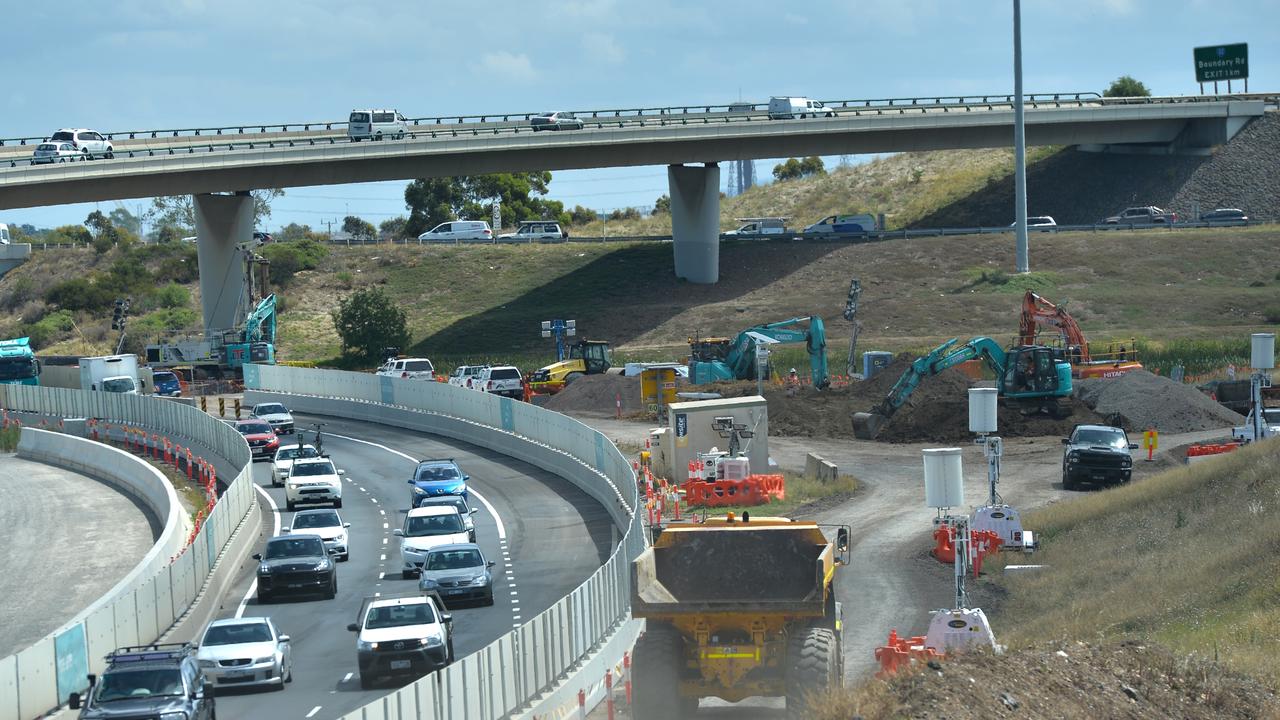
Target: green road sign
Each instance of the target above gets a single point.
(1222, 62)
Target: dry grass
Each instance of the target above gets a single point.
(1186, 558)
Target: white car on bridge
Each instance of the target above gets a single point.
(90, 143)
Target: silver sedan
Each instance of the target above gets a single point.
(245, 651)
(559, 120)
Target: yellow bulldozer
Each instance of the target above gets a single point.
(736, 608)
(586, 357)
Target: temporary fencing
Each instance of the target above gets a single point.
(900, 651)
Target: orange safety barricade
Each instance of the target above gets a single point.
(900, 651)
(1211, 449)
(983, 542)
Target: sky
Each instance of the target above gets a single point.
(135, 64)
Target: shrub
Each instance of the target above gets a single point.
(50, 328)
(369, 320)
(346, 279)
(79, 294)
(172, 295)
(287, 258)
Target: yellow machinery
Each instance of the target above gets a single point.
(586, 357)
(736, 608)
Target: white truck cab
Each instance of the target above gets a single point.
(1270, 426)
(787, 108)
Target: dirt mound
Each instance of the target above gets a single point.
(597, 393)
(1070, 681)
(1144, 400)
(938, 410)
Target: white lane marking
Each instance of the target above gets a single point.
(382, 575)
(384, 556)
(513, 592)
(386, 526)
(347, 677)
(314, 710)
(382, 512)
(502, 529)
(253, 586)
(361, 489)
(384, 541)
(373, 500)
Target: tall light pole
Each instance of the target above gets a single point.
(1019, 147)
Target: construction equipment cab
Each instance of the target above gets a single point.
(717, 359)
(586, 357)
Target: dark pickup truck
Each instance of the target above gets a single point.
(1096, 454)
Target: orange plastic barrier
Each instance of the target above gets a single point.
(755, 490)
(1201, 450)
(983, 542)
(899, 651)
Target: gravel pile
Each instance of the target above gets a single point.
(1143, 400)
(598, 393)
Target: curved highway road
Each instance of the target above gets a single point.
(545, 535)
(67, 540)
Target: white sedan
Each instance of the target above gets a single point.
(51, 152)
(277, 415)
(328, 525)
(284, 458)
(245, 651)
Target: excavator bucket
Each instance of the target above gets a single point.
(866, 426)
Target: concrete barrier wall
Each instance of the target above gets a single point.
(525, 671)
(39, 678)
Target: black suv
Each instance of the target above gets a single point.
(147, 681)
(295, 564)
(1096, 454)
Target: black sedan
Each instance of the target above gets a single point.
(297, 564)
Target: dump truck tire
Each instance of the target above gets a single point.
(656, 665)
(813, 667)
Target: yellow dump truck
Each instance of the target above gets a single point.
(736, 608)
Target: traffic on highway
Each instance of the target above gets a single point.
(399, 570)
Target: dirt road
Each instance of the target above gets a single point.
(891, 581)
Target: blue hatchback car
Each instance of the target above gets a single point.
(166, 383)
(434, 478)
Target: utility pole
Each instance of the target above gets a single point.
(1019, 147)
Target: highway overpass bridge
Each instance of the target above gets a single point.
(690, 141)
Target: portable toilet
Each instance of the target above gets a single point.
(873, 361)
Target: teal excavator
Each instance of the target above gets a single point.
(1035, 377)
(717, 359)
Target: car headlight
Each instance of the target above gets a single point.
(366, 645)
(208, 664)
(322, 565)
(264, 570)
(433, 641)
(173, 716)
(267, 659)
(418, 490)
(1072, 458)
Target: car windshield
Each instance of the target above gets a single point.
(270, 409)
(427, 525)
(47, 147)
(61, 136)
(312, 468)
(438, 473)
(1271, 416)
(16, 368)
(315, 520)
(294, 453)
(453, 559)
(253, 428)
(294, 547)
(236, 634)
(118, 385)
(140, 683)
(1110, 438)
(164, 377)
(389, 616)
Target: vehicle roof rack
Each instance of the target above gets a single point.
(149, 653)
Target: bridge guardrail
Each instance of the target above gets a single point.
(507, 677)
(487, 118)
(39, 678)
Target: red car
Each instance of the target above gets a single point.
(261, 438)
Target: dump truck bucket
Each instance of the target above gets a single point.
(866, 426)
(777, 569)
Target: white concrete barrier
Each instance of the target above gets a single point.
(141, 607)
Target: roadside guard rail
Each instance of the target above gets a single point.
(39, 678)
(526, 671)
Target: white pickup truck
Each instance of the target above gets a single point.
(1270, 426)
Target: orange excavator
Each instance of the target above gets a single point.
(1117, 359)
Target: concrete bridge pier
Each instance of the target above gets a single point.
(222, 222)
(695, 221)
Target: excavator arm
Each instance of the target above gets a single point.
(867, 425)
(742, 357)
(1037, 311)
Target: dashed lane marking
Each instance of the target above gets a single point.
(313, 712)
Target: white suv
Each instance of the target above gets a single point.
(313, 480)
(535, 230)
(469, 230)
(415, 368)
(427, 527)
(501, 380)
(464, 376)
(91, 144)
